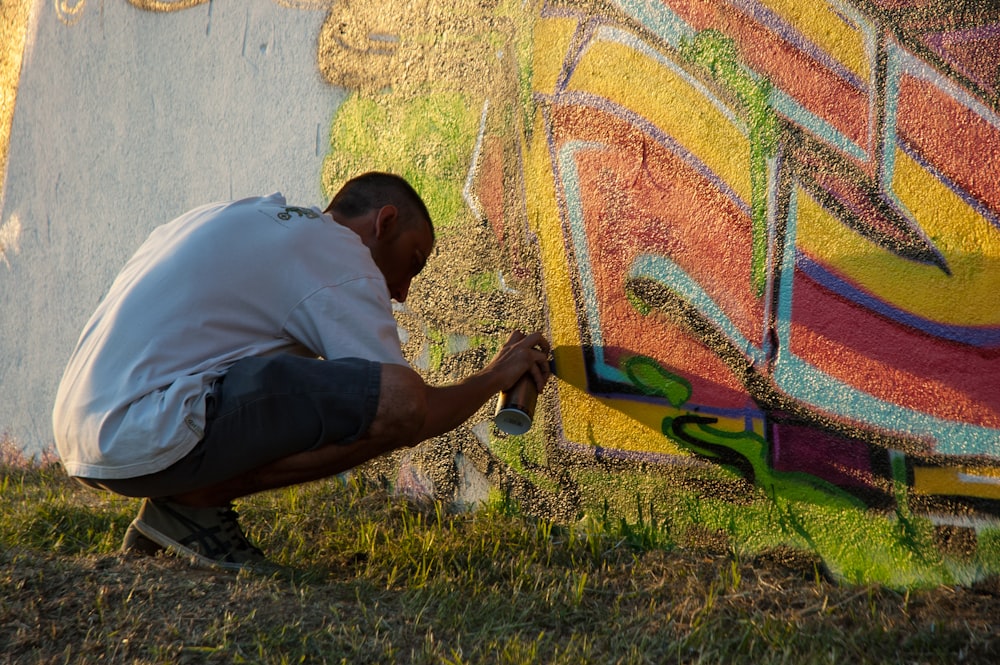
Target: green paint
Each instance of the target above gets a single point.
(428, 140)
(645, 530)
(638, 304)
(437, 351)
(489, 343)
(525, 455)
(652, 378)
(857, 546)
(987, 559)
(483, 282)
(747, 453)
(716, 53)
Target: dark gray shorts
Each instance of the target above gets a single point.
(263, 410)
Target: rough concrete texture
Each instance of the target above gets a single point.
(125, 118)
(762, 235)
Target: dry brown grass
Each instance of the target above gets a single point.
(383, 579)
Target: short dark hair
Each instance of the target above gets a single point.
(375, 189)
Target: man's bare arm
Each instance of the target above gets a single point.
(450, 406)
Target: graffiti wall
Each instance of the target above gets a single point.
(762, 235)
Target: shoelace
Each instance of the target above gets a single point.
(231, 529)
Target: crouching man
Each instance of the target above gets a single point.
(250, 345)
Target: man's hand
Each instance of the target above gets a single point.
(519, 355)
(450, 406)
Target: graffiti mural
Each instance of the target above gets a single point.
(764, 236)
(784, 245)
(798, 249)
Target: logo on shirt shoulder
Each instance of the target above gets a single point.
(288, 211)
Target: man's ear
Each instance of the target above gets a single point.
(385, 221)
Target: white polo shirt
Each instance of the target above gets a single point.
(222, 282)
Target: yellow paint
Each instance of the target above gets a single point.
(626, 424)
(585, 419)
(415, 47)
(957, 481)
(178, 5)
(619, 424)
(13, 26)
(550, 43)
(969, 244)
(164, 6)
(543, 216)
(820, 24)
(69, 12)
(670, 102)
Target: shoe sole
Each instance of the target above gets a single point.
(137, 544)
(197, 560)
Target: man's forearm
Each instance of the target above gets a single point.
(450, 406)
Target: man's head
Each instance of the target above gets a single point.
(392, 221)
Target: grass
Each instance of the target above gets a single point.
(382, 579)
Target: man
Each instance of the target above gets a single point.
(251, 345)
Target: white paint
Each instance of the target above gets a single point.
(473, 487)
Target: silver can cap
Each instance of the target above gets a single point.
(512, 421)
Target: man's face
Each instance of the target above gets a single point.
(400, 253)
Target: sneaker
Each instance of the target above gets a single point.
(208, 537)
(136, 543)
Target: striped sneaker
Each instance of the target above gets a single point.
(208, 537)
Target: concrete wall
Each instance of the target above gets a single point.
(126, 117)
(763, 236)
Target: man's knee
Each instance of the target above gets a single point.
(402, 405)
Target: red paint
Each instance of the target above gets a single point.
(857, 192)
(844, 462)
(906, 4)
(490, 183)
(892, 361)
(639, 198)
(952, 138)
(976, 54)
(801, 76)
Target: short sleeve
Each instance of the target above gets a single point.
(352, 319)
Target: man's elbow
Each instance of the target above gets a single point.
(403, 405)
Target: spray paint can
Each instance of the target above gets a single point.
(516, 407)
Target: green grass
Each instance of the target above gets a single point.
(894, 548)
(385, 579)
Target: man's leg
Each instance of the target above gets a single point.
(398, 419)
(307, 407)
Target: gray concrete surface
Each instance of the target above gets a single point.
(124, 119)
